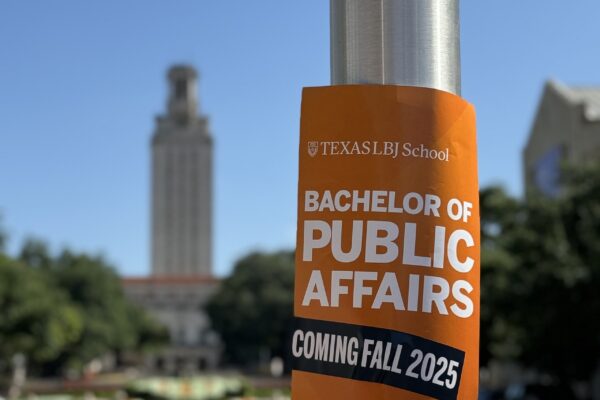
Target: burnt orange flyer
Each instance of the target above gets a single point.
(387, 261)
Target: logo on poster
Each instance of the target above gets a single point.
(313, 148)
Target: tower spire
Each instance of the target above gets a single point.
(182, 103)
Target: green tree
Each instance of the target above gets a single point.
(95, 289)
(63, 311)
(2, 237)
(36, 320)
(150, 334)
(35, 253)
(500, 213)
(253, 309)
(540, 277)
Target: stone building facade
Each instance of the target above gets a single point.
(566, 128)
(178, 303)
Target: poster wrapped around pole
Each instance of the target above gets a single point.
(387, 261)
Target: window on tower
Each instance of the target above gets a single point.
(180, 89)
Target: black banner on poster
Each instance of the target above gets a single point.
(377, 355)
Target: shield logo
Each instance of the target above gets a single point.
(313, 148)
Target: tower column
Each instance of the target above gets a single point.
(182, 182)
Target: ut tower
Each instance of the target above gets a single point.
(182, 182)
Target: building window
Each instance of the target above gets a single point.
(181, 339)
(180, 89)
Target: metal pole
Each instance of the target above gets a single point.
(399, 42)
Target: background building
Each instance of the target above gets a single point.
(181, 279)
(566, 128)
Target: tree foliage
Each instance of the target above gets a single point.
(108, 318)
(540, 277)
(63, 311)
(253, 309)
(36, 320)
(2, 237)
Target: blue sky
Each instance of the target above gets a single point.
(81, 83)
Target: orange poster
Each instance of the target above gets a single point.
(387, 260)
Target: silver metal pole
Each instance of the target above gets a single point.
(399, 42)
